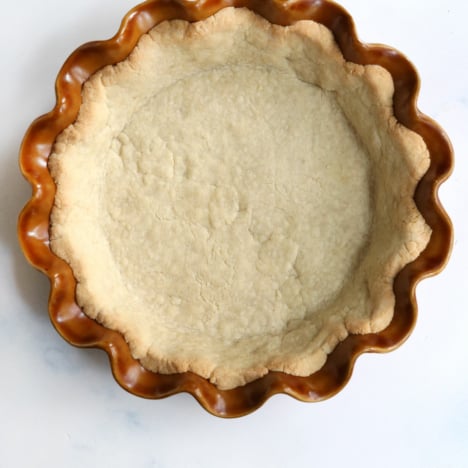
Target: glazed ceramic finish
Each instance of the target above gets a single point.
(79, 330)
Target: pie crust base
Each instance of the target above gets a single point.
(236, 198)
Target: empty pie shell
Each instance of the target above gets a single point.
(77, 328)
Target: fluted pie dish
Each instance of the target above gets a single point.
(235, 199)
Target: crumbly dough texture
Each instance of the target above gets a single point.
(236, 198)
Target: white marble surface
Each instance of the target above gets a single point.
(59, 406)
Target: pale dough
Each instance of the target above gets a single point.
(236, 198)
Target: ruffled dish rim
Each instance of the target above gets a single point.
(79, 330)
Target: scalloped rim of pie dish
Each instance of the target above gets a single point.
(235, 197)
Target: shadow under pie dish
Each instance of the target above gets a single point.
(247, 196)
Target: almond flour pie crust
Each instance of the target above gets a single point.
(236, 198)
(248, 197)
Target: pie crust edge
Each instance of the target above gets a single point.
(414, 232)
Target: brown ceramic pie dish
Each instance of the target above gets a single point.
(77, 328)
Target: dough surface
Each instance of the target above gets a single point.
(236, 198)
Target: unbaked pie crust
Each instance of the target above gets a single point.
(236, 198)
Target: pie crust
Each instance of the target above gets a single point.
(236, 198)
